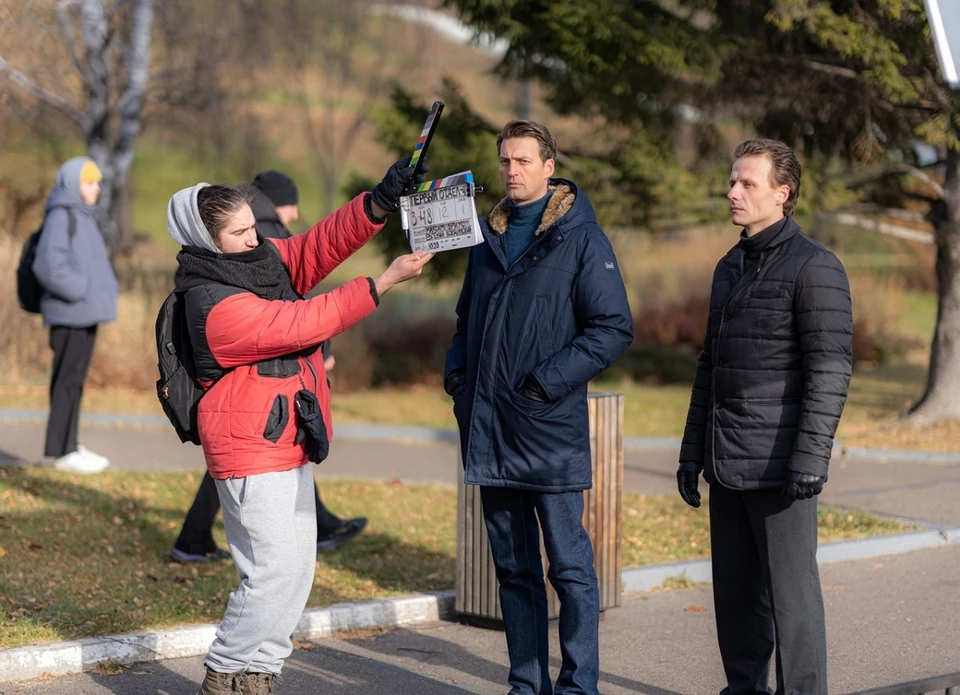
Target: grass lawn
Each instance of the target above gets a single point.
(85, 557)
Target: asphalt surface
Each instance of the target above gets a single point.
(889, 620)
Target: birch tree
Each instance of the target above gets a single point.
(109, 49)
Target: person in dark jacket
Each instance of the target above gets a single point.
(769, 388)
(80, 292)
(265, 412)
(273, 199)
(543, 310)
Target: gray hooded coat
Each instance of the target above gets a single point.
(80, 286)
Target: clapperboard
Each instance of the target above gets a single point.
(441, 215)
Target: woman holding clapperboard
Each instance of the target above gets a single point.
(266, 412)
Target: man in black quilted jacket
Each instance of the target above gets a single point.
(770, 385)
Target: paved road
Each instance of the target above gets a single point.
(889, 620)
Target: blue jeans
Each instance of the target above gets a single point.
(511, 519)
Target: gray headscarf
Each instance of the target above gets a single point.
(183, 220)
(68, 176)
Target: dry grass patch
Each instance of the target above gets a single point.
(87, 557)
(662, 528)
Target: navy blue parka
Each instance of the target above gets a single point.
(560, 314)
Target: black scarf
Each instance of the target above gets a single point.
(260, 270)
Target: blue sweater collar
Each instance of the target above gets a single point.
(528, 214)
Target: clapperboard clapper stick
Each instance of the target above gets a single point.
(423, 144)
(420, 156)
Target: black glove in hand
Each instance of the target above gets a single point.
(453, 382)
(803, 486)
(531, 388)
(311, 431)
(386, 194)
(688, 477)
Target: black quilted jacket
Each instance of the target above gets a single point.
(775, 367)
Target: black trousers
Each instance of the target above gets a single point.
(72, 350)
(196, 536)
(766, 592)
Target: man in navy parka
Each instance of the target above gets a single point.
(542, 311)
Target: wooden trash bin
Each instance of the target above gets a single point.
(477, 595)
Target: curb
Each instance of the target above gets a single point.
(652, 443)
(904, 455)
(61, 658)
(645, 578)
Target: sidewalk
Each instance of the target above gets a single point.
(890, 620)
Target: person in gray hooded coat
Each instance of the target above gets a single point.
(80, 292)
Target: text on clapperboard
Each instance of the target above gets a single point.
(438, 194)
(443, 231)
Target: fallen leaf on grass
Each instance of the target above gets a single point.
(2, 553)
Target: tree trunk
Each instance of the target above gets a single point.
(113, 152)
(129, 108)
(95, 70)
(941, 400)
(328, 196)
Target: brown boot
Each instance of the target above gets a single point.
(261, 684)
(215, 683)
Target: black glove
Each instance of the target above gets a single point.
(531, 388)
(386, 194)
(453, 382)
(311, 431)
(688, 476)
(803, 486)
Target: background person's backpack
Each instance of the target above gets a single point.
(177, 387)
(29, 289)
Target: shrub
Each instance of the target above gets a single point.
(355, 362)
(411, 351)
(679, 323)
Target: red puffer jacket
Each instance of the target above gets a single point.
(247, 421)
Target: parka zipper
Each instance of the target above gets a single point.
(483, 335)
(738, 289)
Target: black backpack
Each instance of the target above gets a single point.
(29, 289)
(177, 387)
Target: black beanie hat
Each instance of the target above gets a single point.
(279, 188)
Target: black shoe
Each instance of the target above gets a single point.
(178, 555)
(348, 529)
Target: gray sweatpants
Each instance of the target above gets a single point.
(271, 525)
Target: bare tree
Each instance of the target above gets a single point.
(341, 61)
(112, 67)
(109, 46)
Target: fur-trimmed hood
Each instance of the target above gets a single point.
(563, 195)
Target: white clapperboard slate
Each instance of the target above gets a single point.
(441, 215)
(944, 19)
